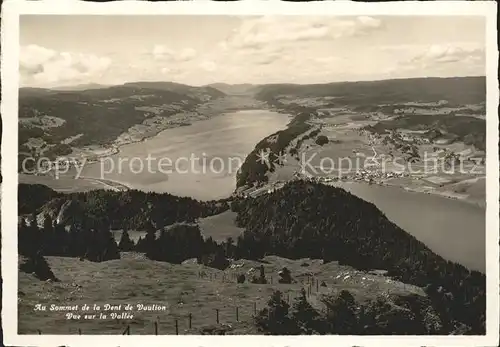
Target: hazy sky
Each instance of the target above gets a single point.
(197, 50)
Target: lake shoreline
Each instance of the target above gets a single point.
(445, 225)
(145, 131)
(116, 148)
(220, 138)
(434, 192)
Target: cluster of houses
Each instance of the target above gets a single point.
(254, 192)
(369, 176)
(60, 163)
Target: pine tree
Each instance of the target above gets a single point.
(61, 237)
(274, 319)
(24, 240)
(33, 221)
(108, 246)
(125, 244)
(48, 226)
(150, 233)
(49, 242)
(37, 265)
(34, 236)
(341, 313)
(92, 245)
(305, 317)
(229, 247)
(150, 247)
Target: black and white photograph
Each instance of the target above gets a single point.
(251, 173)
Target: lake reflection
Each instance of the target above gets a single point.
(454, 229)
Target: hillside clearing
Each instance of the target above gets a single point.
(220, 226)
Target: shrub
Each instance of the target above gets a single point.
(321, 140)
(341, 316)
(307, 320)
(274, 319)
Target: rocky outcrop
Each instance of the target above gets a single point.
(61, 211)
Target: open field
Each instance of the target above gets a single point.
(220, 226)
(475, 188)
(134, 279)
(351, 148)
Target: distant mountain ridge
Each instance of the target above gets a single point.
(178, 87)
(429, 86)
(241, 88)
(81, 87)
(150, 85)
(456, 90)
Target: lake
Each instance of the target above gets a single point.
(200, 160)
(452, 228)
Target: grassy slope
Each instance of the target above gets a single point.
(220, 226)
(134, 279)
(470, 130)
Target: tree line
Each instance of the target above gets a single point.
(80, 224)
(342, 314)
(131, 209)
(88, 240)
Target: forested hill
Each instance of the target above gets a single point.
(130, 209)
(201, 93)
(306, 219)
(455, 90)
(63, 117)
(253, 170)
